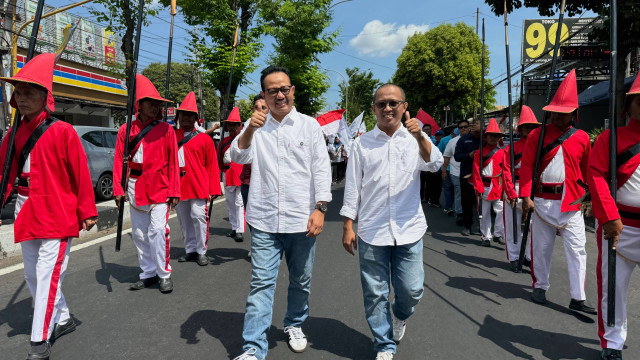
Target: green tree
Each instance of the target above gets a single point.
(122, 17)
(442, 67)
(212, 48)
(361, 88)
(628, 25)
(182, 81)
(299, 28)
(246, 108)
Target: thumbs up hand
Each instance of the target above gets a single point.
(413, 125)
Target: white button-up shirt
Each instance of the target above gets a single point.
(383, 187)
(290, 172)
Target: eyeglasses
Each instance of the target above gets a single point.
(392, 104)
(283, 89)
(463, 127)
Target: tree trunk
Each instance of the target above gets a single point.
(620, 91)
(127, 40)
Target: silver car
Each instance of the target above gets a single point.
(99, 143)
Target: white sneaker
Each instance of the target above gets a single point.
(297, 339)
(248, 355)
(386, 355)
(399, 326)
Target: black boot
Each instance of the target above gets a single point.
(513, 265)
(202, 259)
(192, 256)
(238, 237)
(582, 306)
(611, 354)
(143, 283)
(60, 330)
(539, 296)
(39, 350)
(166, 285)
(231, 234)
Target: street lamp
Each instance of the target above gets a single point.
(346, 102)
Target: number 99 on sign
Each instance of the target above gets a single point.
(540, 37)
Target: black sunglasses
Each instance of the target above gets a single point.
(392, 104)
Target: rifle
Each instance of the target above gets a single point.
(481, 121)
(17, 118)
(613, 169)
(131, 86)
(536, 167)
(512, 159)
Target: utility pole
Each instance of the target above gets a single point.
(200, 100)
(477, 19)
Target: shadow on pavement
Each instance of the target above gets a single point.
(219, 256)
(121, 273)
(323, 334)
(552, 344)
(18, 316)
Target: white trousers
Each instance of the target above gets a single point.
(194, 222)
(150, 233)
(513, 249)
(627, 260)
(485, 222)
(233, 199)
(45, 264)
(544, 224)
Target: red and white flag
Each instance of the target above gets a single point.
(330, 122)
(426, 119)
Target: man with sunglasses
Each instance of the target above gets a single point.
(382, 191)
(290, 188)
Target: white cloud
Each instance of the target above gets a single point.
(378, 40)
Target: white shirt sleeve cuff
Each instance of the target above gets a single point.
(348, 212)
(240, 156)
(324, 196)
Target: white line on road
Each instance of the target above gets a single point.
(99, 240)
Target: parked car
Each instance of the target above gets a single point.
(99, 143)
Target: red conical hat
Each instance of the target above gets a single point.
(146, 90)
(635, 88)
(527, 116)
(493, 127)
(38, 71)
(234, 116)
(566, 98)
(188, 104)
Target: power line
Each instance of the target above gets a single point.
(361, 59)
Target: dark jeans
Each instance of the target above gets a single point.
(244, 191)
(430, 186)
(468, 202)
(338, 171)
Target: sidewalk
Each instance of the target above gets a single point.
(107, 217)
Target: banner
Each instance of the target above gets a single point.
(62, 20)
(355, 124)
(88, 40)
(30, 14)
(109, 47)
(539, 36)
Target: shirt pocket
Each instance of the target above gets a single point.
(299, 154)
(407, 161)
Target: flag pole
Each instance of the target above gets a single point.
(166, 92)
(481, 121)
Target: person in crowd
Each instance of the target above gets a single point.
(465, 151)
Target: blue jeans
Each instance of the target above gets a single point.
(447, 187)
(403, 264)
(266, 254)
(455, 180)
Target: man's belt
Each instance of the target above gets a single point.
(629, 215)
(550, 189)
(23, 182)
(183, 173)
(135, 172)
(486, 181)
(516, 177)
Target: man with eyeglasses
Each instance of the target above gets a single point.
(381, 191)
(465, 151)
(290, 188)
(454, 168)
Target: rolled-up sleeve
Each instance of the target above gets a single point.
(435, 159)
(353, 183)
(321, 167)
(241, 156)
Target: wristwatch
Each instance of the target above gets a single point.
(322, 206)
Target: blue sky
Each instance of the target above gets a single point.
(373, 33)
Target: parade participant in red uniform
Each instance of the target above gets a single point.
(488, 184)
(232, 193)
(526, 124)
(564, 161)
(199, 181)
(619, 220)
(153, 184)
(55, 198)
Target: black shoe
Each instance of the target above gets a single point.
(538, 296)
(611, 354)
(192, 256)
(451, 212)
(39, 350)
(231, 234)
(143, 283)
(459, 222)
(582, 306)
(465, 232)
(435, 205)
(499, 240)
(202, 259)
(473, 232)
(60, 330)
(238, 237)
(486, 243)
(166, 285)
(513, 265)
(527, 263)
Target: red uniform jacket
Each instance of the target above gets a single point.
(604, 208)
(575, 152)
(507, 182)
(160, 177)
(202, 175)
(496, 177)
(232, 171)
(60, 191)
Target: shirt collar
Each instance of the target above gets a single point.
(402, 131)
(290, 117)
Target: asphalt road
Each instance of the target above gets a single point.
(473, 307)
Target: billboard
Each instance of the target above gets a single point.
(539, 37)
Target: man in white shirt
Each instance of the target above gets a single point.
(290, 188)
(454, 168)
(383, 191)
